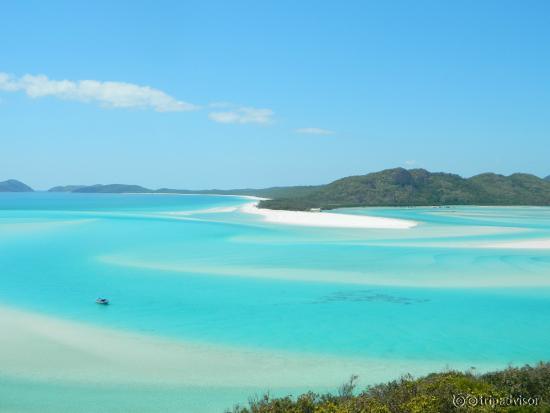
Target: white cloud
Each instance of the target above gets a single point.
(243, 115)
(314, 131)
(410, 163)
(126, 95)
(107, 94)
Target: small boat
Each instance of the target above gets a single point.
(102, 301)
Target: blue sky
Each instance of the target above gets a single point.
(204, 94)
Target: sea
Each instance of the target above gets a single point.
(457, 291)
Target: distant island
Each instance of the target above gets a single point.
(102, 189)
(273, 192)
(12, 185)
(390, 187)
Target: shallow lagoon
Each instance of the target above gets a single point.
(195, 269)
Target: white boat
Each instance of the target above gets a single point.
(102, 301)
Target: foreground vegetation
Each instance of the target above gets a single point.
(525, 389)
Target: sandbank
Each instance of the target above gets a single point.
(533, 244)
(325, 219)
(41, 347)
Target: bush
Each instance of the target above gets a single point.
(435, 393)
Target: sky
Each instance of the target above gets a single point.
(233, 94)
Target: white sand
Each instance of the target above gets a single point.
(428, 280)
(534, 244)
(326, 219)
(216, 210)
(45, 348)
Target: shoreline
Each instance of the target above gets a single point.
(325, 219)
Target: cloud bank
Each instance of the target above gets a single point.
(106, 94)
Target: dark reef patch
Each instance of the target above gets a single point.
(367, 296)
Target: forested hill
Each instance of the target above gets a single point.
(417, 187)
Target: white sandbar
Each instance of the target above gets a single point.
(534, 244)
(46, 348)
(326, 219)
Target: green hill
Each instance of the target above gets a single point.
(547, 178)
(12, 185)
(417, 187)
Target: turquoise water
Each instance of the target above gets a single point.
(195, 268)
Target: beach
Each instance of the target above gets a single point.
(325, 219)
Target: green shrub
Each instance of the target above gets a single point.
(435, 393)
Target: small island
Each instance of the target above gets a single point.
(13, 185)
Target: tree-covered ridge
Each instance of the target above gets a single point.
(12, 185)
(417, 187)
(525, 389)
